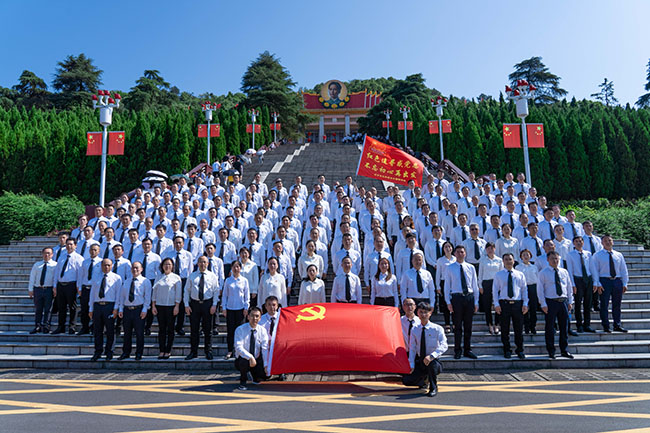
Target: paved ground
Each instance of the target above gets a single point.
(539, 401)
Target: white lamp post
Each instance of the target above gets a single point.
(105, 103)
(439, 103)
(387, 113)
(405, 114)
(275, 116)
(254, 113)
(208, 107)
(521, 94)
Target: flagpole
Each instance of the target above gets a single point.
(405, 114)
(361, 156)
(438, 104)
(524, 133)
(105, 103)
(102, 184)
(521, 94)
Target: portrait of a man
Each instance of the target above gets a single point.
(333, 94)
(334, 91)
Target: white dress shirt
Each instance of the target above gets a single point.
(112, 289)
(500, 287)
(409, 287)
(435, 341)
(384, 288)
(167, 290)
(37, 271)
(210, 287)
(312, 292)
(242, 343)
(141, 293)
(407, 327)
(273, 285)
(452, 281)
(546, 285)
(600, 267)
(338, 289)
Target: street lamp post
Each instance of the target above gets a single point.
(387, 113)
(208, 107)
(254, 113)
(275, 116)
(439, 103)
(405, 114)
(105, 103)
(521, 94)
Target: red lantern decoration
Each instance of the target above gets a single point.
(111, 101)
(531, 88)
(118, 96)
(508, 88)
(95, 97)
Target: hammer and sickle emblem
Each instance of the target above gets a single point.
(313, 314)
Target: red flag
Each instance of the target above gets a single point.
(384, 162)
(409, 125)
(116, 143)
(385, 124)
(249, 128)
(433, 126)
(94, 140)
(275, 126)
(258, 129)
(338, 337)
(511, 136)
(203, 131)
(535, 133)
(215, 130)
(446, 126)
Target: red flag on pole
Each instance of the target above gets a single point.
(338, 337)
(535, 133)
(385, 124)
(215, 130)
(275, 126)
(446, 126)
(116, 143)
(94, 140)
(249, 128)
(433, 126)
(203, 131)
(409, 125)
(384, 162)
(511, 136)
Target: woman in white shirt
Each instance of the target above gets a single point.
(489, 265)
(530, 272)
(273, 283)
(235, 298)
(251, 272)
(506, 243)
(441, 270)
(312, 289)
(383, 286)
(165, 300)
(309, 257)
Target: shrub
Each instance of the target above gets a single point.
(31, 215)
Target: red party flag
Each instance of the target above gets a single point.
(338, 337)
(446, 126)
(203, 131)
(409, 125)
(433, 126)
(275, 126)
(384, 162)
(511, 136)
(215, 130)
(535, 133)
(116, 143)
(94, 140)
(385, 124)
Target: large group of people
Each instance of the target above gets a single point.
(204, 249)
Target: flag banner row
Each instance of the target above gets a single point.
(249, 128)
(446, 126)
(409, 125)
(215, 130)
(512, 135)
(275, 126)
(338, 337)
(384, 162)
(115, 143)
(387, 124)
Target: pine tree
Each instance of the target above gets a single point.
(606, 93)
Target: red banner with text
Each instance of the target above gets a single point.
(384, 162)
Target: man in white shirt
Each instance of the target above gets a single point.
(426, 345)
(65, 282)
(347, 286)
(511, 301)
(83, 246)
(408, 320)
(41, 290)
(610, 276)
(201, 297)
(251, 349)
(102, 309)
(417, 283)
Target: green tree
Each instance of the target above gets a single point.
(76, 78)
(536, 73)
(32, 90)
(606, 93)
(644, 100)
(267, 83)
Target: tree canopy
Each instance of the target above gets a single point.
(644, 100)
(606, 93)
(536, 73)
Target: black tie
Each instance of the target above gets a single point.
(423, 343)
(498, 234)
(90, 270)
(183, 225)
(411, 259)
(418, 281)
(454, 222)
(558, 283)
(522, 208)
(348, 294)
(83, 248)
(65, 265)
(512, 223)
(102, 287)
(550, 227)
(144, 266)
(158, 246)
(591, 245)
(122, 235)
(438, 251)
(612, 266)
(43, 272)
(177, 264)
(463, 281)
(115, 266)
(221, 251)
(464, 235)
(573, 227)
(131, 252)
(537, 249)
(58, 253)
(201, 286)
(189, 245)
(251, 344)
(484, 225)
(501, 213)
(210, 226)
(477, 252)
(108, 246)
(272, 327)
(511, 288)
(132, 291)
(399, 215)
(582, 266)
(410, 327)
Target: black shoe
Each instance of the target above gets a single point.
(209, 356)
(242, 387)
(580, 330)
(573, 333)
(190, 356)
(147, 332)
(607, 330)
(507, 355)
(83, 332)
(71, 331)
(526, 331)
(138, 357)
(46, 330)
(215, 332)
(58, 331)
(95, 357)
(521, 355)
(596, 309)
(457, 355)
(433, 390)
(588, 329)
(109, 356)
(533, 331)
(35, 331)
(180, 332)
(619, 329)
(470, 355)
(566, 355)
(123, 356)
(551, 355)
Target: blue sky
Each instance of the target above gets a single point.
(463, 48)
